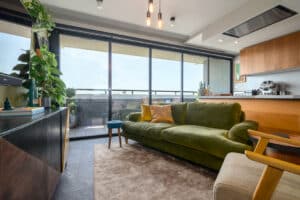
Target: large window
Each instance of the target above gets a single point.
(195, 72)
(84, 67)
(130, 79)
(219, 76)
(166, 76)
(14, 41)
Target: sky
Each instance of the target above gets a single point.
(83, 68)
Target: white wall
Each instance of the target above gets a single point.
(290, 78)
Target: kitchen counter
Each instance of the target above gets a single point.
(10, 124)
(272, 97)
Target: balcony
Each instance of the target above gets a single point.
(93, 107)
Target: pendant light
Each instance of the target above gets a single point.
(159, 22)
(148, 21)
(151, 6)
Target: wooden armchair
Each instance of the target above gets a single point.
(274, 167)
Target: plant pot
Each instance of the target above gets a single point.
(73, 120)
(46, 102)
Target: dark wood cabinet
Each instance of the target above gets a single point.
(31, 158)
(274, 55)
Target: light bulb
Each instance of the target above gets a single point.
(160, 23)
(99, 4)
(148, 21)
(151, 6)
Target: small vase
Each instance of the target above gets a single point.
(46, 102)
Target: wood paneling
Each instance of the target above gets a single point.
(278, 54)
(23, 176)
(273, 116)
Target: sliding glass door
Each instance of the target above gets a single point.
(195, 72)
(84, 67)
(130, 79)
(166, 76)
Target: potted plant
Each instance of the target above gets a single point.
(46, 75)
(70, 92)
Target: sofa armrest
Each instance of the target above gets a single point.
(239, 132)
(134, 116)
(233, 146)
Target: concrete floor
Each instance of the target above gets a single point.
(77, 181)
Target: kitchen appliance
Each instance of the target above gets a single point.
(269, 88)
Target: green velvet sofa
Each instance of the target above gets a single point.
(203, 133)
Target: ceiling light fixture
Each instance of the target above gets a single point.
(151, 6)
(148, 21)
(236, 42)
(172, 20)
(220, 40)
(99, 4)
(160, 23)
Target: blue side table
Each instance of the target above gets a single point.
(111, 125)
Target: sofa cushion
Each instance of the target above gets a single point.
(209, 140)
(239, 176)
(145, 129)
(146, 113)
(179, 112)
(215, 115)
(161, 114)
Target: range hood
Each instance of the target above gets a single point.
(263, 20)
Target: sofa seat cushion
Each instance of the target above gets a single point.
(239, 176)
(146, 129)
(209, 140)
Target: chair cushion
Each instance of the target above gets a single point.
(239, 176)
(201, 138)
(145, 129)
(215, 115)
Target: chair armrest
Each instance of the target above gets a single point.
(239, 132)
(134, 117)
(274, 162)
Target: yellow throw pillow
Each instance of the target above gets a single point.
(146, 114)
(161, 114)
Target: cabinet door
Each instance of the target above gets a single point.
(289, 48)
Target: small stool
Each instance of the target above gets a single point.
(114, 124)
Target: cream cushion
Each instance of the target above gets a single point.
(239, 176)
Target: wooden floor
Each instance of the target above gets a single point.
(76, 183)
(86, 131)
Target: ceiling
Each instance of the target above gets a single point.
(199, 23)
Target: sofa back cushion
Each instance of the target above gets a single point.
(215, 115)
(179, 112)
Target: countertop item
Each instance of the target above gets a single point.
(12, 123)
(286, 97)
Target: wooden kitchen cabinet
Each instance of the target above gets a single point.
(277, 54)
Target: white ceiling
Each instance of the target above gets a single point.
(198, 22)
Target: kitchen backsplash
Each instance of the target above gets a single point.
(290, 78)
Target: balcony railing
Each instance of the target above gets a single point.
(93, 104)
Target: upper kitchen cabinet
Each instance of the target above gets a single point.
(273, 55)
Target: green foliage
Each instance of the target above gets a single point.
(39, 13)
(22, 69)
(71, 92)
(46, 74)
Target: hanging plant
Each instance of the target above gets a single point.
(39, 14)
(46, 74)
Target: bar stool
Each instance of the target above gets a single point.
(111, 125)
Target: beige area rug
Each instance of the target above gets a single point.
(135, 172)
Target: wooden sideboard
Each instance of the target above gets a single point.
(31, 153)
(274, 55)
